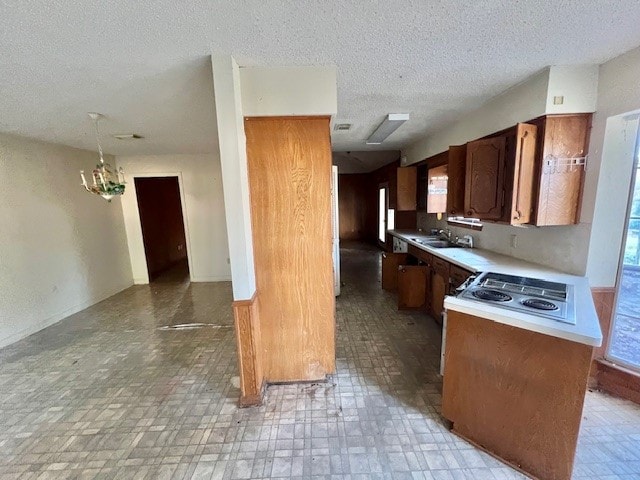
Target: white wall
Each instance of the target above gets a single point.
(561, 248)
(522, 102)
(577, 84)
(525, 101)
(61, 248)
(284, 91)
(610, 164)
(233, 156)
(203, 209)
(258, 91)
(564, 248)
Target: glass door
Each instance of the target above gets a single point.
(386, 215)
(624, 346)
(382, 214)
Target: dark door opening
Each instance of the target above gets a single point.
(162, 224)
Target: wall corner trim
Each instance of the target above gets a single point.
(247, 329)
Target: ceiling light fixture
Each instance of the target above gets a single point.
(389, 125)
(106, 182)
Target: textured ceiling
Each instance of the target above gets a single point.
(144, 63)
(364, 161)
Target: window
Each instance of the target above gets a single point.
(624, 345)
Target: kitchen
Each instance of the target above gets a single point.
(507, 323)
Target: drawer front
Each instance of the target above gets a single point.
(458, 275)
(420, 254)
(441, 266)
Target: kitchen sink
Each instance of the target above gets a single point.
(441, 244)
(435, 242)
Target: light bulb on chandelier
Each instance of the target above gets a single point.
(107, 182)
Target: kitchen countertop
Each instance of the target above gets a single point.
(587, 327)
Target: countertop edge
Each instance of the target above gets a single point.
(588, 332)
(512, 319)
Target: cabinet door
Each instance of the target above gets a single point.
(457, 276)
(565, 138)
(407, 187)
(457, 166)
(484, 182)
(522, 197)
(412, 286)
(439, 288)
(390, 263)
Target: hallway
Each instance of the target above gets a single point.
(106, 394)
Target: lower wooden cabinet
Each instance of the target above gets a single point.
(390, 263)
(457, 276)
(423, 286)
(413, 285)
(439, 289)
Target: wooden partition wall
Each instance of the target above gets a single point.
(289, 165)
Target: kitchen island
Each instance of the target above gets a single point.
(514, 383)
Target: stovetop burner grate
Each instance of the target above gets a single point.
(491, 295)
(539, 304)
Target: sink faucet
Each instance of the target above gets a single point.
(446, 233)
(466, 241)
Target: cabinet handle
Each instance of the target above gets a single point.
(469, 213)
(517, 215)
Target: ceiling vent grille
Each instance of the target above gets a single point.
(340, 127)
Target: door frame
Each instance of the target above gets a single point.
(385, 185)
(614, 314)
(136, 235)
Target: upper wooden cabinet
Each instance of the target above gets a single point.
(563, 145)
(457, 167)
(499, 181)
(520, 172)
(532, 173)
(484, 188)
(406, 188)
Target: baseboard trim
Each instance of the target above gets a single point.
(617, 380)
(218, 278)
(55, 318)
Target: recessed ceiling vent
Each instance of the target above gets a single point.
(127, 136)
(342, 126)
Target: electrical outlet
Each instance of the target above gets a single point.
(558, 100)
(514, 241)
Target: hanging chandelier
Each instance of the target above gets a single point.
(107, 182)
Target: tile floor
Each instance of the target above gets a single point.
(105, 394)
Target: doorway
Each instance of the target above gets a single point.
(386, 215)
(163, 232)
(624, 346)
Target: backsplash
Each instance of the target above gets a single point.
(563, 248)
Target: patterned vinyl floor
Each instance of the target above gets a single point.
(106, 394)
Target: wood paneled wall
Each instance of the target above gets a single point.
(358, 200)
(603, 300)
(356, 207)
(289, 164)
(605, 375)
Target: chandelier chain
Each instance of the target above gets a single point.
(95, 124)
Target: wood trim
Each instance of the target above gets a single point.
(617, 380)
(603, 300)
(247, 326)
(285, 117)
